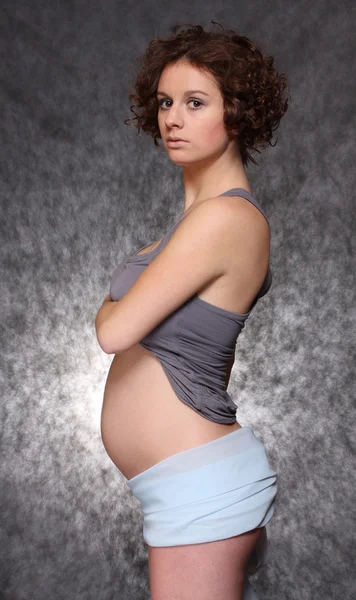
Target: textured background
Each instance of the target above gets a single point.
(79, 189)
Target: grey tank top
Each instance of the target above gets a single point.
(195, 342)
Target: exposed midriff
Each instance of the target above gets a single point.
(143, 421)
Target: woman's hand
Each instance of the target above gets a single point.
(103, 313)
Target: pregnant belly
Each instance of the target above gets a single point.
(142, 419)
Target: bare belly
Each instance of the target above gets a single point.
(142, 420)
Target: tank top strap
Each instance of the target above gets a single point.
(160, 245)
(170, 232)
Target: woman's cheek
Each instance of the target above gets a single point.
(217, 134)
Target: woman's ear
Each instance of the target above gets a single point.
(233, 134)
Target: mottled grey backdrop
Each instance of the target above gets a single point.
(79, 189)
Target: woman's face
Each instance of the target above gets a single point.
(194, 116)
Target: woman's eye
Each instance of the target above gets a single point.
(194, 100)
(189, 101)
(161, 102)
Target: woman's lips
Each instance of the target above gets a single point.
(176, 143)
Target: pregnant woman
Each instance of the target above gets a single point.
(175, 310)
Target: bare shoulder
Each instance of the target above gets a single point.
(244, 233)
(242, 209)
(230, 232)
(234, 214)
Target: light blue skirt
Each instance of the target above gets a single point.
(215, 491)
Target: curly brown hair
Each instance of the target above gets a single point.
(255, 96)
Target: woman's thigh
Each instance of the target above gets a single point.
(207, 571)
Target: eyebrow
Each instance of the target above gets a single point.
(160, 93)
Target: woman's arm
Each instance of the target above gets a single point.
(198, 253)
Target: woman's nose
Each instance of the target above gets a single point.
(174, 117)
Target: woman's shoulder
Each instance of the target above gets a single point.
(236, 210)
